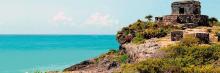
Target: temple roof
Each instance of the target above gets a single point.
(184, 0)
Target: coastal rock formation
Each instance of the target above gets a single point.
(102, 64)
(143, 40)
(91, 66)
(81, 65)
(125, 36)
(142, 51)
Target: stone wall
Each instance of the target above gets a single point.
(201, 20)
(203, 37)
(186, 7)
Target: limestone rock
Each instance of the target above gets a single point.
(142, 51)
(123, 37)
(81, 65)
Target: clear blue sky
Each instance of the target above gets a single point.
(82, 16)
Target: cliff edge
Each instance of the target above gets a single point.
(149, 47)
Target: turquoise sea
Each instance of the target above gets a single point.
(30, 53)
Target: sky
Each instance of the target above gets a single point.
(83, 16)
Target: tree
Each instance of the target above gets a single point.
(213, 21)
(149, 17)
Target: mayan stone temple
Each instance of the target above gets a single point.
(187, 12)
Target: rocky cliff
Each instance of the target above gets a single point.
(143, 40)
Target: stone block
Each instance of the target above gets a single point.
(176, 35)
(203, 37)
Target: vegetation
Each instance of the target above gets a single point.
(143, 30)
(152, 33)
(148, 30)
(139, 38)
(189, 40)
(213, 21)
(184, 57)
(149, 17)
(114, 55)
(121, 58)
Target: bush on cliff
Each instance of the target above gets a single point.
(152, 33)
(139, 38)
(146, 29)
(113, 56)
(180, 58)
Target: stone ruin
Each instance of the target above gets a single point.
(176, 35)
(203, 37)
(185, 12)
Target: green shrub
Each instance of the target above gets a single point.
(149, 17)
(124, 58)
(189, 40)
(113, 51)
(194, 55)
(151, 65)
(213, 21)
(121, 58)
(151, 24)
(155, 33)
(180, 59)
(201, 69)
(138, 26)
(138, 39)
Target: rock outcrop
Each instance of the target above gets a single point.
(91, 66)
(150, 37)
(142, 51)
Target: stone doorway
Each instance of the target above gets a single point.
(181, 10)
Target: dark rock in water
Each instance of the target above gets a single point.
(203, 37)
(176, 35)
(80, 65)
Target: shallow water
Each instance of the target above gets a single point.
(29, 53)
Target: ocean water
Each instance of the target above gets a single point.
(31, 53)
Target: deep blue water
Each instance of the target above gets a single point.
(29, 53)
